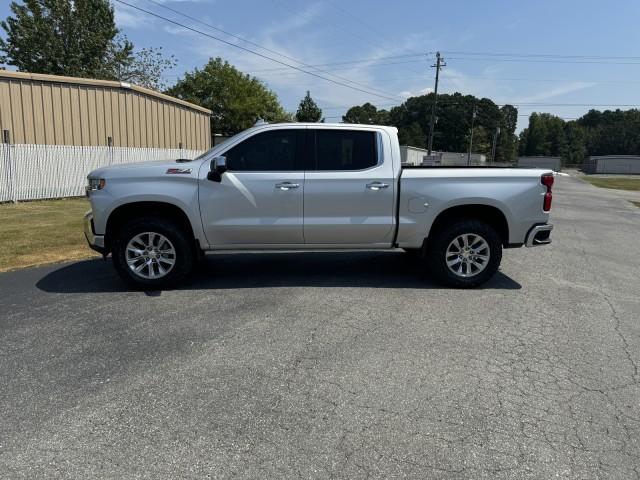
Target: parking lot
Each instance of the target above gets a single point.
(335, 364)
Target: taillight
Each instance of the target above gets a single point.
(547, 180)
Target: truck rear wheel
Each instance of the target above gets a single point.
(152, 253)
(464, 254)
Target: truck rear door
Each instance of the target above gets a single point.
(349, 189)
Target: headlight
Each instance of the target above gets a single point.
(95, 184)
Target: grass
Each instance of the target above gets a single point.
(39, 232)
(619, 183)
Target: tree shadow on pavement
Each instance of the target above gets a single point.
(367, 269)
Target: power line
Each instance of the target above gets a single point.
(513, 103)
(519, 115)
(252, 51)
(265, 48)
(528, 60)
(359, 20)
(374, 61)
(507, 79)
(328, 22)
(354, 62)
(378, 34)
(545, 55)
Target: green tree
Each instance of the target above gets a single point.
(237, 100)
(544, 136)
(366, 114)
(77, 38)
(146, 68)
(308, 110)
(453, 113)
(507, 140)
(612, 132)
(63, 37)
(412, 135)
(575, 151)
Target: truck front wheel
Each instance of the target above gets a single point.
(465, 253)
(152, 253)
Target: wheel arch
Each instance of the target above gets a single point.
(140, 209)
(487, 213)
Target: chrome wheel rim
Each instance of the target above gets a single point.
(468, 255)
(150, 255)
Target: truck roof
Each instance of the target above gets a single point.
(324, 125)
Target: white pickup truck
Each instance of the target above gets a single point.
(313, 186)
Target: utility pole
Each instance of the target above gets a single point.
(473, 119)
(495, 140)
(432, 124)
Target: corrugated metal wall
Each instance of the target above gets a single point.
(86, 112)
(624, 164)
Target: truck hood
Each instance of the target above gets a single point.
(157, 167)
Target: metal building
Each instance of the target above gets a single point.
(55, 130)
(622, 164)
(419, 156)
(411, 155)
(550, 163)
(457, 159)
(54, 110)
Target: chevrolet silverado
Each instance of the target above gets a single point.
(313, 186)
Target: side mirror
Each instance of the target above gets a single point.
(218, 167)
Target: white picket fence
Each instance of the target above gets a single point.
(30, 172)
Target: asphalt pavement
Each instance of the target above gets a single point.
(334, 365)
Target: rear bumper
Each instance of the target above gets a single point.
(96, 242)
(539, 235)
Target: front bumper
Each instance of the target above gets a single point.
(96, 242)
(539, 235)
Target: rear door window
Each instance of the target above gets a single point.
(345, 149)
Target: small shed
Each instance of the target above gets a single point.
(621, 164)
(550, 163)
(411, 155)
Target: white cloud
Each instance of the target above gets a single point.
(128, 17)
(304, 36)
(556, 91)
(409, 93)
(294, 22)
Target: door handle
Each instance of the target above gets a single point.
(287, 185)
(377, 185)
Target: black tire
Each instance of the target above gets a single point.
(185, 253)
(439, 241)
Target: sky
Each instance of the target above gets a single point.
(541, 55)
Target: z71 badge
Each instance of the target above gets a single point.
(178, 171)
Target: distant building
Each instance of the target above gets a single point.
(622, 164)
(460, 159)
(419, 156)
(549, 163)
(411, 155)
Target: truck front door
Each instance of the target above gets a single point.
(259, 200)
